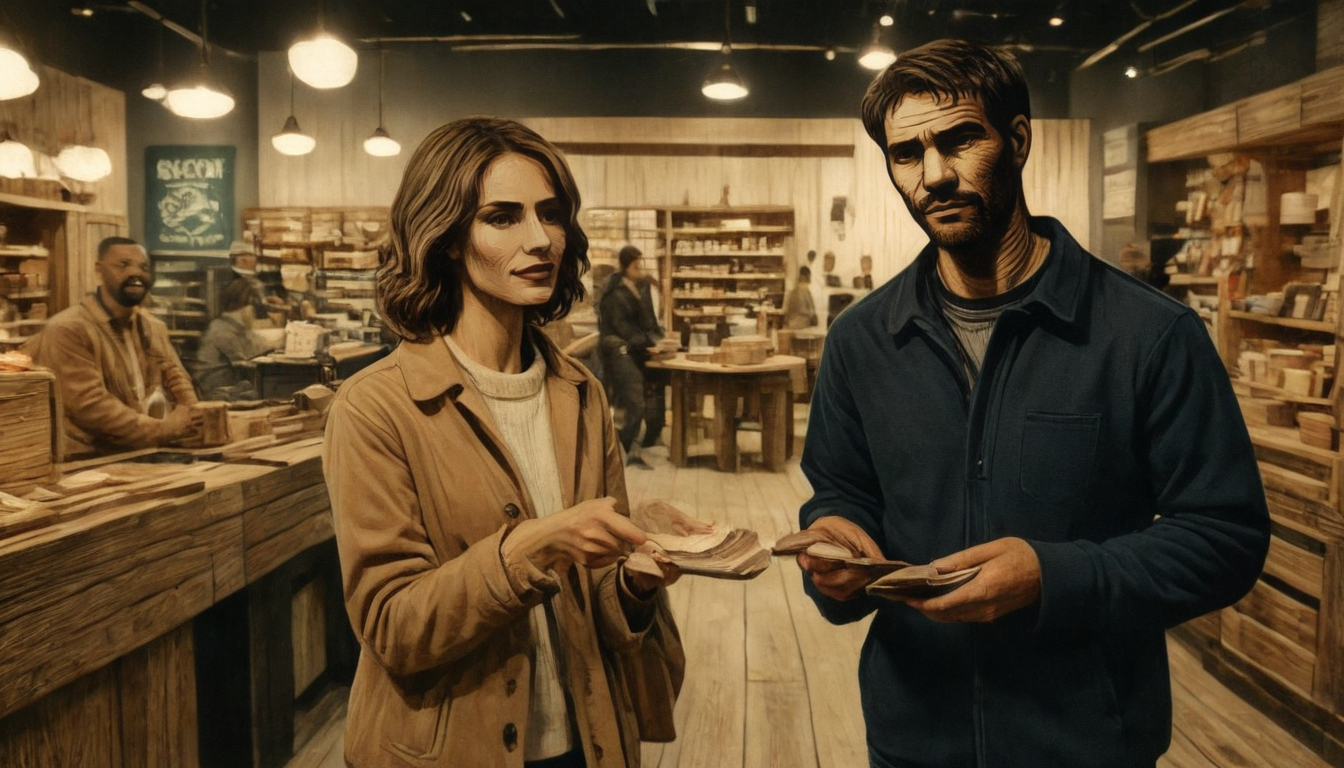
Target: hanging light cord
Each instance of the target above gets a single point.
(291, 93)
(205, 37)
(382, 58)
(727, 25)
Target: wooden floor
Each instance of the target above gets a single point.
(769, 683)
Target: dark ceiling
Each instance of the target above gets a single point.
(257, 25)
(116, 35)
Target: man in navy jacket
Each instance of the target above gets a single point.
(1010, 402)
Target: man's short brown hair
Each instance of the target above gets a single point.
(950, 69)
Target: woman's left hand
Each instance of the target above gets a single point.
(647, 569)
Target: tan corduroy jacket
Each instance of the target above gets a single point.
(102, 411)
(423, 491)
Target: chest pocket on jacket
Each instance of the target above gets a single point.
(1057, 454)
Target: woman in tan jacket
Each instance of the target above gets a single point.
(477, 488)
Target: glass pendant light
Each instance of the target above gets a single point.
(199, 98)
(323, 61)
(876, 55)
(380, 144)
(290, 140)
(723, 83)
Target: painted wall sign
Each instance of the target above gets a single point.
(189, 198)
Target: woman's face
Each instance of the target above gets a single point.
(517, 237)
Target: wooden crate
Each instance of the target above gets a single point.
(30, 429)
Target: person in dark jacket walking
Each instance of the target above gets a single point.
(629, 328)
(1010, 402)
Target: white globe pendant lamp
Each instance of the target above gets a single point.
(84, 163)
(291, 140)
(323, 61)
(17, 78)
(16, 159)
(380, 144)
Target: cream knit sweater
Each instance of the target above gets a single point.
(517, 403)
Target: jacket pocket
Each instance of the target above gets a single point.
(1058, 450)
(421, 734)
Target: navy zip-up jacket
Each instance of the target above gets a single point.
(1103, 431)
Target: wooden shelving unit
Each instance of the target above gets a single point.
(1282, 646)
(726, 255)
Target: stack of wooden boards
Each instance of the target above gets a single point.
(30, 428)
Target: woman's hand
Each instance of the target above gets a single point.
(592, 534)
(647, 569)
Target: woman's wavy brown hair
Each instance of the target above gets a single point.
(419, 287)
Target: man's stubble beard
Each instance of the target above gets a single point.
(989, 218)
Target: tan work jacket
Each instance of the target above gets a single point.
(423, 490)
(93, 371)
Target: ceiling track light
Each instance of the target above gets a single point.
(876, 55)
(322, 61)
(200, 98)
(291, 140)
(380, 144)
(723, 82)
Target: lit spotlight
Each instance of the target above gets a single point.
(1131, 72)
(886, 20)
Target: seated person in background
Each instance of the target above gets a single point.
(228, 342)
(113, 362)
(799, 309)
(271, 294)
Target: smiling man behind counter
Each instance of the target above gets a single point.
(112, 359)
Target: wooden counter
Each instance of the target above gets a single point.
(98, 614)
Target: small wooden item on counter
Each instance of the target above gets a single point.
(742, 350)
(215, 427)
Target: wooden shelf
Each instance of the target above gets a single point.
(25, 201)
(726, 254)
(1282, 394)
(1286, 439)
(678, 231)
(23, 253)
(725, 296)
(183, 334)
(22, 323)
(730, 276)
(1319, 326)
(1181, 279)
(28, 295)
(15, 340)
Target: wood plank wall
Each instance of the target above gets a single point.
(808, 164)
(65, 110)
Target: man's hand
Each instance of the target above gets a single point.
(833, 579)
(181, 423)
(1009, 579)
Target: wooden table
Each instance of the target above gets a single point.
(118, 618)
(774, 381)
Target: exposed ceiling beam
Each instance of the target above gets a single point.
(183, 31)
(1148, 46)
(1115, 46)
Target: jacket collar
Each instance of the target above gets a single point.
(430, 370)
(1058, 292)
